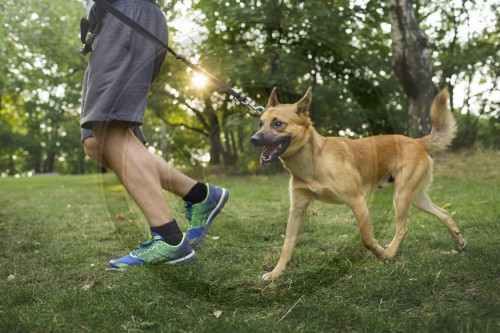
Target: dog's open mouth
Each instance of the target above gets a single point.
(272, 152)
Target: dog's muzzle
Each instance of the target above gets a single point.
(256, 140)
(273, 146)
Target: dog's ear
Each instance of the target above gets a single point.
(303, 104)
(273, 99)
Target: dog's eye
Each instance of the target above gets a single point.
(278, 123)
(260, 123)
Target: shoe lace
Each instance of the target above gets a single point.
(188, 210)
(194, 213)
(144, 247)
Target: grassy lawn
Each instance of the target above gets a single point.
(57, 234)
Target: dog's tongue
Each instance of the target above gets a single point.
(266, 154)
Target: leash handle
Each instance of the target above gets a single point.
(144, 32)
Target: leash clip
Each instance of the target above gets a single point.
(259, 109)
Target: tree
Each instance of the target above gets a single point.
(342, 48)
(40, 82)
(255, 46)
(467, 62)
(413, 65)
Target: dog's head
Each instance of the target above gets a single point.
(283, 128)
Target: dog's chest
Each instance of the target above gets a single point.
(317, 191)
(325, 194)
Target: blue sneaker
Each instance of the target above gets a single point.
(156, 251)
(200, 216)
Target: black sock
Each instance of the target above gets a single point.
(170, 232)
(197, 194)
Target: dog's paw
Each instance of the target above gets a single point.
(462, 246)
(384, 260)
(270, 276)
(267, 277)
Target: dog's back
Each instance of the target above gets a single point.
(379, 159)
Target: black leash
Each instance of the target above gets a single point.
(104, 4)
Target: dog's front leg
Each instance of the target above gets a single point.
(297, 216)
(362, 215)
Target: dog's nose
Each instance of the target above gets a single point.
(255, 140)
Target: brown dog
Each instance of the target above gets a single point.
(339, 170)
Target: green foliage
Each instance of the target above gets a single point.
(467, 60)
(341, 48)
(477, 132)
(41, 83)
(291, 50)
(256, 46)
(59, 232)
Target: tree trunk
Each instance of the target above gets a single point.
(274, 30)
(81, 163)
(411, 60)
(48, 164)
(215, 148)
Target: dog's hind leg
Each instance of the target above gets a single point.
(296, 219)
(362, 215)
(424, 203)
(402, 202)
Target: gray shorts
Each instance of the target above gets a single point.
(122, 66)
(87, 133)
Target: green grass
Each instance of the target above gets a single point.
(57, 234)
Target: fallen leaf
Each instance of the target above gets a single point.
(446, 205)
(217, 313)
(11, 277)
(215, 237)
(120, 217)
(452, 252)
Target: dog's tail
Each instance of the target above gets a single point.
(444, 126)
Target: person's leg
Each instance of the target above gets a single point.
(135, 166)
(171, 179)
(91, 147)
(203, 201)
(120, 150)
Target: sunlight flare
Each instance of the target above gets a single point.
(198, 81)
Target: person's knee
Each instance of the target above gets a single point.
(108, 133)
(91, 147)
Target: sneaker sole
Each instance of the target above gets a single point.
(184, 260)
(211, 217)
